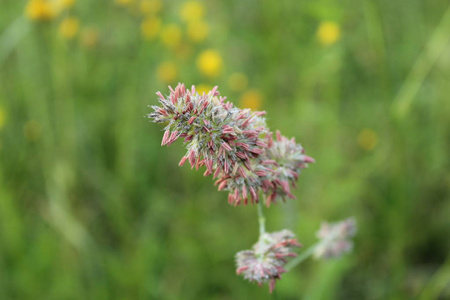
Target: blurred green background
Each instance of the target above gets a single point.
(91, 207)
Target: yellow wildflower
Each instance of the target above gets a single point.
(209, 62)
(171, 35)
(197, 31)
(2, 117)
(167, 72)
(69, 27)
(89, 37)
(150, 6)
(328, 33)
(203, 88)
(251, 99)
(40, 10)
(150, 27)
(32, 130)
(192, 11)
(237, 81)
(367, 139)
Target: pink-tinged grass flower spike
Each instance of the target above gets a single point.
(276, 169)
(217, 135)
(264, 263)
(335, 239)
(284, 159)
(234, 144)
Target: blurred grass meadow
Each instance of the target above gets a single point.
(91, 207)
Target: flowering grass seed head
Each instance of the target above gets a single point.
(264, 263)
(335, 238)
(286, 158)
(234, 144)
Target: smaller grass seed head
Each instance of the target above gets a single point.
(335, 239)
(264, 263)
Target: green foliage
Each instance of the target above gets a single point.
(91, 207)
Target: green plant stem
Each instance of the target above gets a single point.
(261, 219)
(11, 37)
(303, 256)
(426, 60)
(437, 282)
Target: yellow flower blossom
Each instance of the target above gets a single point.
(150, 6)
(150, 27)
(32, 130)
(192, 11)
(2, 117)
(237, 82)
(171, 35)
(210, 63)
(40, 10)
(367, 139)
(328, 33)
(167, 72)
(89, 37)
(197, 31)
(69, 27)
(251, 99)
(203, 88)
